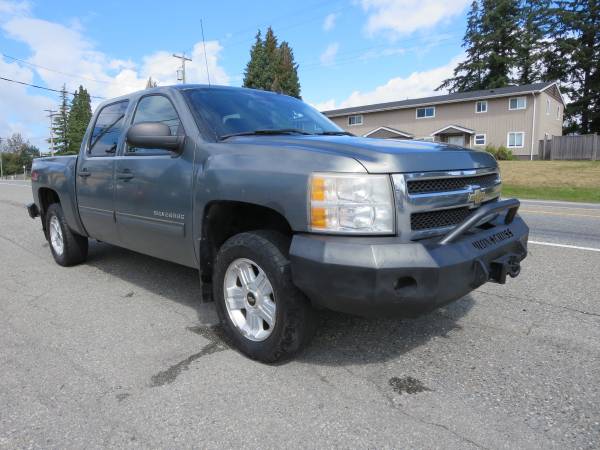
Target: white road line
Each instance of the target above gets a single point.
(557, 202)
(576, 247)
(574, 208)
(15, 184)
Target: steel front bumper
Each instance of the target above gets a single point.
(375, 276)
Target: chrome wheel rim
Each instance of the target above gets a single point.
(56, 236)
(249, 299)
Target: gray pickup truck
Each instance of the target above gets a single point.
(281, 211)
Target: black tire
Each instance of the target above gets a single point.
(75, 246)
(295, 322)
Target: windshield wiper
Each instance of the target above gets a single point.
(267, 131)
(335, 133)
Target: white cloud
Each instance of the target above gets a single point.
(329, 22)
(328, 56)
(75, 60)
(21, 111)
(415, 85)
(10, 8)
(400, 17)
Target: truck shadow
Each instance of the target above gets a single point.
(343, 339)
(169, 280)
(340, 340)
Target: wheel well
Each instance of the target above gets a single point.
(46, 197)
(223, 220)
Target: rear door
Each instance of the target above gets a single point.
(95, 173)
(153, 196)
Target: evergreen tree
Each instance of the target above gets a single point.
(254, 75)
(60, 123)
(530, 51)
(79, 117)
(574, 59)
(468, 75)
(271, 55)
(286, 72)
(491, 41)
(272, 66)
(499, 27)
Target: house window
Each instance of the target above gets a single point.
(480, 139)
(558, 112)
(547, 106)
(481, 106)
(517, 103)
(355, 120)
(515, 139)
(425, 113)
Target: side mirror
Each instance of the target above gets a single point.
(153, 135)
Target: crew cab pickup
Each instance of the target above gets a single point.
(281, 211)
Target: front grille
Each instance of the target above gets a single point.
(438, 219)
(449, 184)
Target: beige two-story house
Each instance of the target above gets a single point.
(517, 117)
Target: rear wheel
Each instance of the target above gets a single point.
(68, 248)
(260, 309)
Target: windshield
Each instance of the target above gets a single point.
(245, 111)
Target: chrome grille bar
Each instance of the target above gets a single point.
(470, 196)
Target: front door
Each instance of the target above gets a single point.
(457, 140)
(95, 174)
(153, 196)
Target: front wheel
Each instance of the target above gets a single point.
(261, 310)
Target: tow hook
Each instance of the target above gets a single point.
(506, 265)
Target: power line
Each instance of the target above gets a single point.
(45, 88)
(72, 75)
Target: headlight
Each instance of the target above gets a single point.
(351, 203)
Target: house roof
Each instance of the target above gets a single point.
(534, 88)
(453, 129)
(391, 130)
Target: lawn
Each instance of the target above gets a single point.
(577, 181)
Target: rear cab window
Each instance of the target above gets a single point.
(107, 130)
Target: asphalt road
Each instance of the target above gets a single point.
(119, 352)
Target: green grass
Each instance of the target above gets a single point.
(569, 194)
(576, 181)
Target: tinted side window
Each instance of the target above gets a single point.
(156, 108)
(107, 130)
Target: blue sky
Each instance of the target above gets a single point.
(350, 52)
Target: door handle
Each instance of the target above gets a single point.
(84, 173)
(125, 174)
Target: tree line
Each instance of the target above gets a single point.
(71, 121)
(16, 153)
(527, 41)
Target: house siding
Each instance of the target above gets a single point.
(496, 123)
(547, 124)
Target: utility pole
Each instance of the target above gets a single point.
(51, 114)
(183, 59)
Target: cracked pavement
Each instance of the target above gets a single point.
(119, 352)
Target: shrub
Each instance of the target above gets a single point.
(500, 153)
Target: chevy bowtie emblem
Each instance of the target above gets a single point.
(476, 196)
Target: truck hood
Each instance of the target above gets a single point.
(382, 155)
